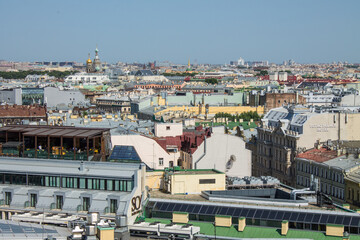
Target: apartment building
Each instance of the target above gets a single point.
(286, 131)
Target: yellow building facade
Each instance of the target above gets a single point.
(213, 109)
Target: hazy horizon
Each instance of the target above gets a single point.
(214, 32)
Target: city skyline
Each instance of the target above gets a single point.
(210, 32)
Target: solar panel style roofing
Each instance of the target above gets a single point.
(345, 219)
(17, 229)
(124, 153)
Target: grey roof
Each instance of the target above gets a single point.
(20, 230)
(32, 165)
(249, 132)
(143, 73)
(343, 162)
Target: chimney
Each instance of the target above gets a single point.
(339, 152)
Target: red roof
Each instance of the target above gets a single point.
(318, 155)
(188, 142)
(22, 111)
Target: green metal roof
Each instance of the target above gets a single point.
(207, 228)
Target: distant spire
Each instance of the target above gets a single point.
(189, 63)
(96, 52)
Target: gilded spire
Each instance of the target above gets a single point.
(89, 60)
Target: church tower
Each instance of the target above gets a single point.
(97, 63)
(89, 65)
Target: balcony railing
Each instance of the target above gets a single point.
(42, 154)
(29, 153)
(66, 154)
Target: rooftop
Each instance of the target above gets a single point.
(331, 158)
(207, 228)
(77, 168)
(319, 155)
(121, 153)
(22, 111)
(54, 131)
(19, 230)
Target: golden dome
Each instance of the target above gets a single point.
(89, 60)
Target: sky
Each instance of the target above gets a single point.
(204, 31)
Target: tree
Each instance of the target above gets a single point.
(262, 73)
(211, 81)
(23, 74)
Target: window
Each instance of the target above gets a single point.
(8, 198)
(161, 161)
(59, 201)
(207, 181)
(113, 205)
(82, 183)
(33, 199)
(167, 127)
(109, 185)
(52, 181)
(85, 204)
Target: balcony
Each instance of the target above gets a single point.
(67, 154)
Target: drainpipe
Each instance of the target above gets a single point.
(202, 156)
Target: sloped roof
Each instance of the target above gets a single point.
(22, 111)
(318, 155)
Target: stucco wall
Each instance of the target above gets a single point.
(168, 129)
(220, 147)
(54, 96)
(189, 183)
(154, 180)
(8, 96)
(148, 149)
(343, 126)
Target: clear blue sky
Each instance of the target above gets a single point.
(307, 31)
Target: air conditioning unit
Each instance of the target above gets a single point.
(121, 221)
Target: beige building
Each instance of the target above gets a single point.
(328, 167)
(189, 181)
(352, 189)
(286, 131)
(168, 129)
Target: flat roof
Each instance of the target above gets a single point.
(55, 131)
(207, 228)
(68, 167)
(192, 171)
(19, 230)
